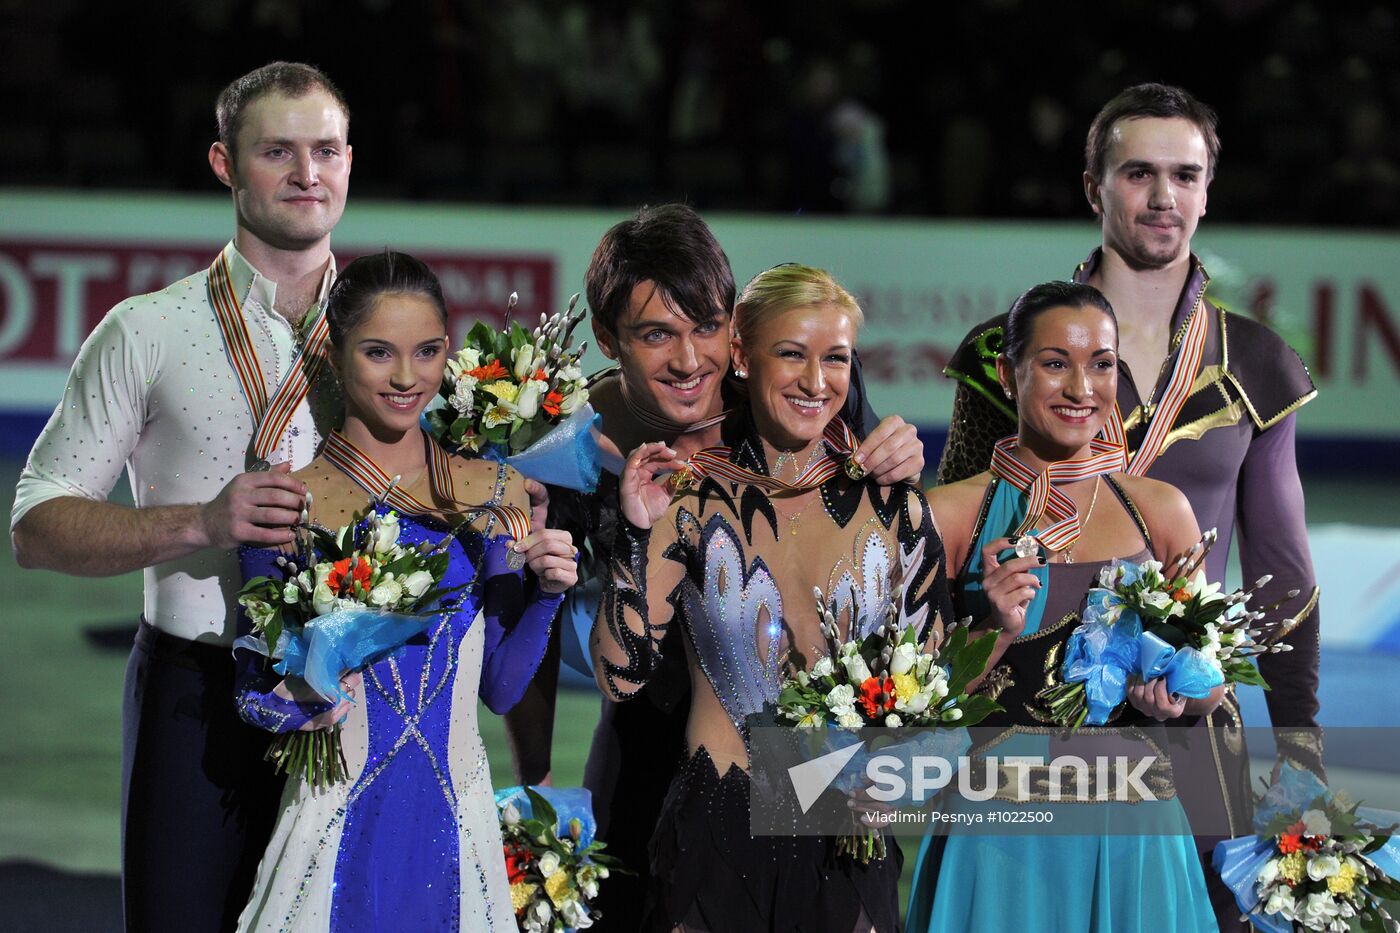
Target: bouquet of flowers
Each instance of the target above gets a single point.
(346, 600)
(1316, 864)
(1151, 621)
(885, 679)
(553, 863)
(514, 391)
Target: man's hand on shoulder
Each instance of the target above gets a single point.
(254, 508)
(893, 453)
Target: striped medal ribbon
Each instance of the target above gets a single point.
(270, 415)
(1162, 416)
(354, 463)
(1045, 500)
(715, 462)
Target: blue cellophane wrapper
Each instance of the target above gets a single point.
(1101, 654)
(948, 744)
(346, 640)
(1187, 671)
(569, 803)
(567, 456)
(1239, 861)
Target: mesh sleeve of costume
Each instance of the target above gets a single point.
(636, 609)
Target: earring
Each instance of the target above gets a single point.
(1008, 393)
(741, 373)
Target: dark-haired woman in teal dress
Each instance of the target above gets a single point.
(1060, 363)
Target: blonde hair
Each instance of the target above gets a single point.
(789, 286)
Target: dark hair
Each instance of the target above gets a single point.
(360, 284)
(290, 79)
(1020, 320)
(1149, 100)
(671, 246)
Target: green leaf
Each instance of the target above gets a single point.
(969, 661)
(1385, 888)
(977, 708)
(541, 809)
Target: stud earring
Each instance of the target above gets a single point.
(1008, 393)
(741, 373)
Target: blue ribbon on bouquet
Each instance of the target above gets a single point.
(1109, 646)
(1239, 861)
(339, 641)
(569, 803)
(567, 456)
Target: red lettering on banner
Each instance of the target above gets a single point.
(53, 294)
(901, 363)
(1372, 315)
(1323, 324)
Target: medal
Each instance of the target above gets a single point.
(259, 466)
(1026, 546)
(514, 559)
(854, 470)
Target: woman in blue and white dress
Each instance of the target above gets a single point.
(410, 840)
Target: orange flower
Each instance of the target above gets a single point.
(518, 858)
(551, 404)
(877, 696)
(348, 572)
(1180, 594)
(491, 371)
(539, 374)
(1289, 843)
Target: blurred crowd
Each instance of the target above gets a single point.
(867, 106)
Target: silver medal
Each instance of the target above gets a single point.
(1026, 546)
(259, 466)
(514, 559)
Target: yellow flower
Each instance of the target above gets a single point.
(1293, 867)
(503, 389)
(557, 887)
(905, 686)
(521, 894)
(1344, 881)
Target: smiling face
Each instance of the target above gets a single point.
(1153, 190)
(1066, 381)
(391, 364)
(289, 170)
(799, 371)
(670, 364)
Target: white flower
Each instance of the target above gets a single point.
(502, 412)
(1315, 823)
(951, 715)
(903, 659)
(575, 915)
(1267, 874)
(569, 372)
(541, 910)
(573, 401)
(921, 667)
(840, 697)
(1318, 909)
(463, 395)
(464, 361)
(527, 403)
(322, 599)
(1280, 901)
(1157, 599)
(803, 678)
(259, 612)
(525, 361)
(1343, 800)
(915, 704)
(1323, 866)
(510, 815)
(1108, 576)
(533, 926)
(893, 721)
(850, 720)
(386, 593)
(417, 583)
(856, 668)
(549, 863)
(388, 535)
(823, 667)
(587, 880)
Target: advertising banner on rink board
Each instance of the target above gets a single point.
(66, 258)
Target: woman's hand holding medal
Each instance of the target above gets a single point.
(1010, 586)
